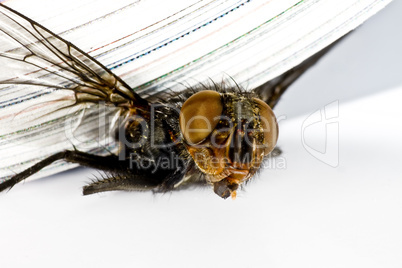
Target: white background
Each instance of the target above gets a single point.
(308, 214)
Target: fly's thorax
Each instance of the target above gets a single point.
(132, 128)
(151, 133)
(227, 135)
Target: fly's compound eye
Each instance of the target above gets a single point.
(269, 125)
(199, 115)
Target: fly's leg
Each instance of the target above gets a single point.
(174, 179)
(159, 180)
(138, 181)
(120, 178)
(108, 163)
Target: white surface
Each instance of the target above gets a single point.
(306, 215)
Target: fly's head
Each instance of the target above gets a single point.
(228, 135)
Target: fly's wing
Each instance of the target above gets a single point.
(48, 87)
(271, 91)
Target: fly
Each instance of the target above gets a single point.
(212, 134)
